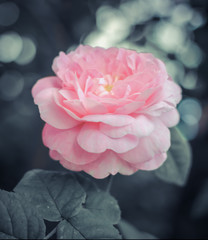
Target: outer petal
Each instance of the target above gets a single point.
(108, 163)
(158, 142)
(64, 142)
(63, 63)
(50, 112)
(71, 166)
(153, 163)
(170, 118)
(172, 92)
(93, 140)
(45, 83)
(142, 126)
(158, 109)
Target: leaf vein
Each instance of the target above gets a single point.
(11, 221)
(77, 230)
(49, 193)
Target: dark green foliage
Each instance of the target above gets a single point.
(129, 232)
(18, 220)
(82, 211)
(176, 167)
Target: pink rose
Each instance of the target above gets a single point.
(107, 110)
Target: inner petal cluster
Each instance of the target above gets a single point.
(104, 86)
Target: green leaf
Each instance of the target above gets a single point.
(18, 220)
(66, 230)
(130, 232)
(95, 221)
(56, 195)
(86, 225)
(100, 202)
(84, 211)
(177, 166)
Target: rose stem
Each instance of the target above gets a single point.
(110, 181)
(51, 233)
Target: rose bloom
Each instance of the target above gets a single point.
(107, 110)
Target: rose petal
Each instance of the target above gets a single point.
(94, 107)
(50, 112)
(64, 142)
(71, 166)
(58, 100)
(111, 119)
(63, 63)
(107, 163)
(45, 83)
(172, 92)
(142, 126)
(157, 109)
(91, 139)
(76, 107)
(170, 118)
(148, 147)
(68, 94)
(129, 108)
(153, 163)
(110, 103)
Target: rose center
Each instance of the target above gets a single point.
(103, 86)
(108, 87)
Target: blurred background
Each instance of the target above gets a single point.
(33, 32)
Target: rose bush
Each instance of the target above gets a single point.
(107, 110)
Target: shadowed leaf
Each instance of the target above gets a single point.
(83, 210)
(130, 232)
(95, 221)
(176, 168)
(56, 195)
(100, 202)
(18, 220)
